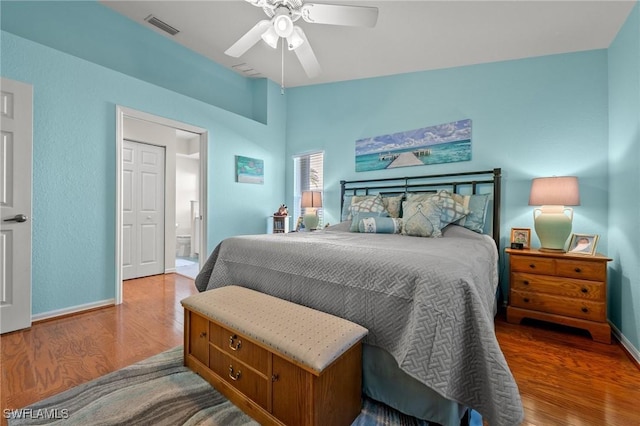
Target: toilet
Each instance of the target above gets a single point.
(183, 245)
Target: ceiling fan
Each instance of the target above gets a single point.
(283, 14)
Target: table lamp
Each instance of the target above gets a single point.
(551, 221)
(311, 200)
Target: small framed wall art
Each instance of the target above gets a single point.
(521, 236)
(249, 170)
(583, 244)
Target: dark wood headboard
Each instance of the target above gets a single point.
(480, 182)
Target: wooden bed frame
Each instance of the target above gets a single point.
(465, 183)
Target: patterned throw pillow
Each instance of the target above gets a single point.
(450, 209)
(371, 204)
(421, 218)
(346, 208)
(477, 205)
(357, 217)
(392, 204)
(380, 225)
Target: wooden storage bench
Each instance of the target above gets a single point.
(281, 363)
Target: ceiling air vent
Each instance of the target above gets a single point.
(161, 24)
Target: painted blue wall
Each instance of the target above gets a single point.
(74, 166)
(532, 117)
(624, 177)
(114, 41)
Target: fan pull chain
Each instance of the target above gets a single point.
(282, 69)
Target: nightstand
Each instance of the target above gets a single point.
(562, 288)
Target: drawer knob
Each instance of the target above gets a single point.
(578, 270)
(584, 290)
(233, 345)
(525, 282)
(532, 266)
(585, 309)
(234, 375)
(275, 377)
(203, 334)
(526, 300)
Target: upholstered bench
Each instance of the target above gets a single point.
(281, 363)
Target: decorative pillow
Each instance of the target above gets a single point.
(380, 225)
(371, 204)
(346, 208)
(421, 218)
(392, 203)
(477, 205)
(451, 210)
(357, 217)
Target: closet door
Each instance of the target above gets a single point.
(142, 210)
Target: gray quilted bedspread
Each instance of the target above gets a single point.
(428, 301)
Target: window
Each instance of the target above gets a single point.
(307, 176)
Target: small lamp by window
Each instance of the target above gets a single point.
(311, 200)
(551, 222)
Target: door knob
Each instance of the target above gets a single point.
(17, 218)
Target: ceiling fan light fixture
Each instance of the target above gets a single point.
(270, 37)
(295, 40)
(283, 25)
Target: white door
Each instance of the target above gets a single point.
(16, 127)
(142, 210)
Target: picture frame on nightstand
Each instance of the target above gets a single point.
(584, 244)
(521, 236)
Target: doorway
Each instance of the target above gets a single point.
(142, 127)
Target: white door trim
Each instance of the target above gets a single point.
(121, 113)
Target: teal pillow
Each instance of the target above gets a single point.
(421, 218)
(368, 204)
(346, 208)
(477, 205)
(380, 225)
(450, 209)
(357, 217)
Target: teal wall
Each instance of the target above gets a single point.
(533, 117)
(109, 39)
(74, 166)
(624, 179)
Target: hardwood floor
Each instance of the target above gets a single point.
(564, 377)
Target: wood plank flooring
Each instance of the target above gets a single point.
(564, 377)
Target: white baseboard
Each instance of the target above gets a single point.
(635, 353)
(170, 270)
(72, 310)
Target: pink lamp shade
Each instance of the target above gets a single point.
(311, 199)
(555, 191)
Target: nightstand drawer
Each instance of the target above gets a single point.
(239, 347)
(567, 287)
(536, 265)
(584, 309)
(582, 269)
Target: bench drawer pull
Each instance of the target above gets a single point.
(232, 344)
(232, 375)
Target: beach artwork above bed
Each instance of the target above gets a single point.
(443, 143)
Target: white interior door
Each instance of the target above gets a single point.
(16, 140)
(142, 210)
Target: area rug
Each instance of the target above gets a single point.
(160, 391)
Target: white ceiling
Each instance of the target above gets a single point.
(409, 36)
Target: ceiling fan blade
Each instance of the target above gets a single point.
(248, 40)
(305, 55)
(337, 14)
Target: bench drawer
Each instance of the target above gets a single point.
(238, 346)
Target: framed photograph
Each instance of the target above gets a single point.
(521, 235)
(249, 170)
(583, 244)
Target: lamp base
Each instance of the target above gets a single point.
(551, 250)
(310, 221)
(553, 227)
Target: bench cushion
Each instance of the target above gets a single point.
(312, 338)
